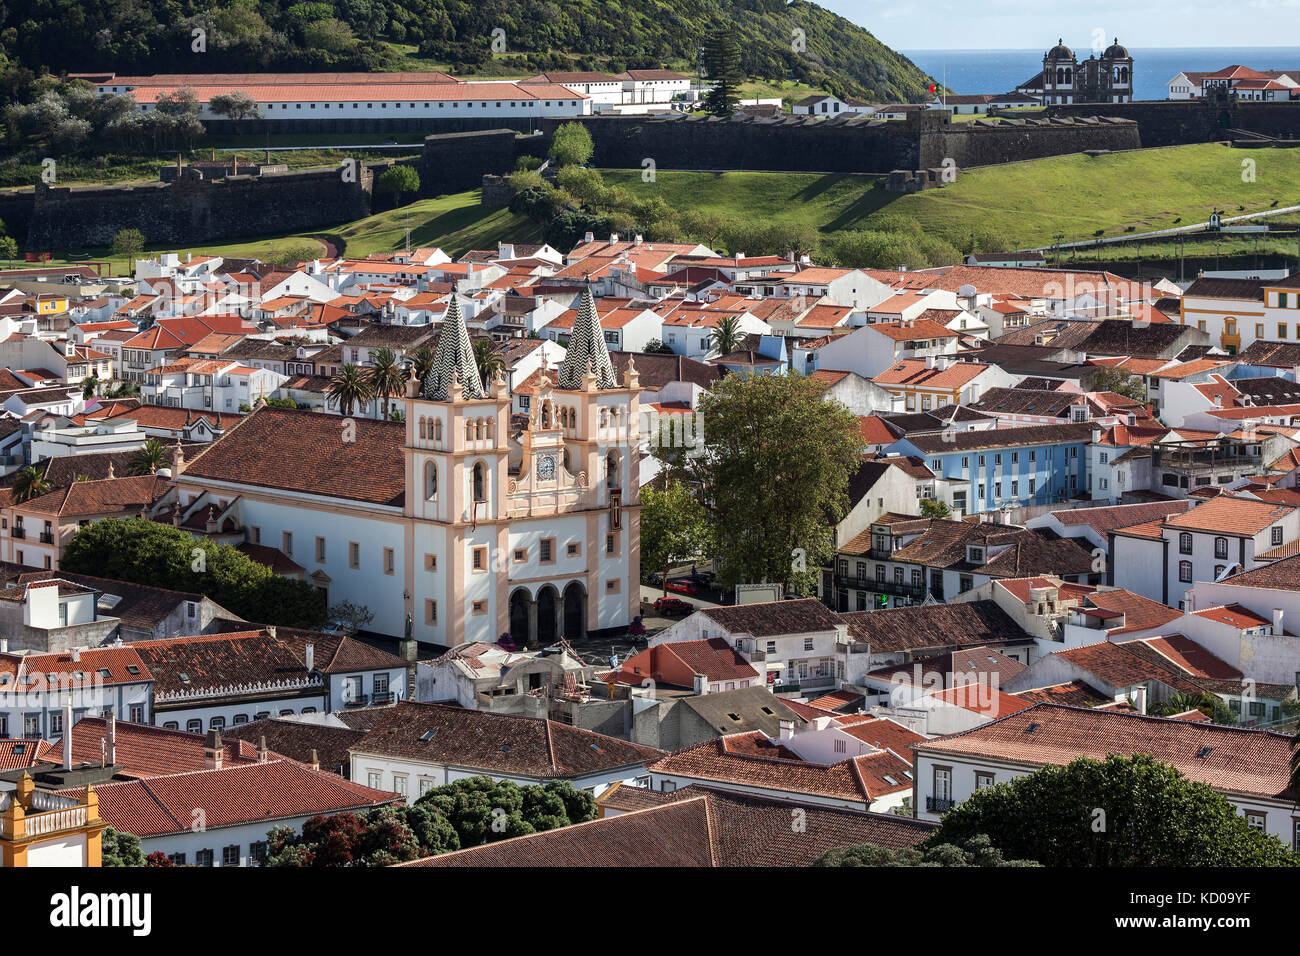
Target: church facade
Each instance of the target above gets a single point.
(452, 525)
(1104, 78)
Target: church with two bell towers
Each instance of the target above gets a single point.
(456, 524)
(534, 533)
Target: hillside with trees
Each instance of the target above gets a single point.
(145, 36)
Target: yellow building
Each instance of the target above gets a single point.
(39, 828)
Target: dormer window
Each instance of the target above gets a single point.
(974, 554)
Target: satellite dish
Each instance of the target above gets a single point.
(966, 291)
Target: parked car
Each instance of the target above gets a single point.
(672, 605)
(684, 586)
(654, 578)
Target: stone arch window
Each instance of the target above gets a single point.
(478, 429)
(437, 430)
(480, 482)
(546, 414)
(1069, 76)
(430, 480)
(424, 428)
(613, 470)
(489, 428)
(1060, 75)
(566, 461)
(604, 418)
(469, 430)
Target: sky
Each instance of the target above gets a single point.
(1027, 25)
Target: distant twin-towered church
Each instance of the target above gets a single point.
(453, 525)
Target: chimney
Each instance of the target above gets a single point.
(309, 657)
(4, 645)
(1096, 434)
(929, 361)
(1189, 601)
(315, 760)
(589, 237)
(270, 631)
(111, 752)
(613, 238)
(262, 752)
(636, 240)
(67, 734)
(787, 730)
(1277, 622)
(76, 655)
(1140, 698)
(701, 684)
(212, 750)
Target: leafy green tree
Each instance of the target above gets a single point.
(235, 106)
(384, 376)
(935, 509)
(571, 145)
(1121, 811)
(483, 810)
(350, 387)
(1120, 382)
(977, 851)
(89, 385)
(147, 552)
(398, 181)
(675, 527)
(8, 248)
(127, 244)
(148, 458)
(721, 58)
(30, 483)
(656, 347)
(487, 356)
(727, 336)
(774, 447)
(118, 848)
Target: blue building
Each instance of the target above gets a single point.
(988, 469)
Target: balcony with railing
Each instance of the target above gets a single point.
(17, 531)
(47, 537)
(939, 804)
(844, 582)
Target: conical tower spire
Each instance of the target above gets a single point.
(453, 356)
(587, 349)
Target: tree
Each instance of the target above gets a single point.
(674, 527)
(419, 363)
(935, 509)
(1120, 382)
(120, 849)
(29, 483)
(384, 376)
(1121, 811)
(571, 145)
(488, 359)
(656, 347)
(977, 851)
(147, 552)
(483, 810)
(722, 69)
(349, 617)
(774, 449)
(127, 244)
(350, 387)
(397, 181)
(727, 336)
(235, 106)
(89, 385)
(148, 459)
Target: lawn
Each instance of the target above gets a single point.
(1075, 195)
(258, 248)
(455, 222)
(826, 202)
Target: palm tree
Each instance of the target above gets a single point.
(488, 359)
(349, 388)
(151, 456)
(420, 363)
(29, 483)
(384, 375)
(727, 336)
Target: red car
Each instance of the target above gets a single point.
(684, 586)
(670, 605)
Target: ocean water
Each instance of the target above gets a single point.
(1001, 71)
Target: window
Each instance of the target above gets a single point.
(546, 550)
(943, 783)
(431, 562)
(983, 780)
(1185, 543)
(230, 855)
(388, 560)
(479, 607)
(194, 726)
(480, 482)
(320, 549)
(1220, 547)
(374, 780)
(771, 647)
(573, 548)
(479, 560)
(807, 643)
(399, 784)
(612, 586)
(1185, 572)
(177, 858)
(1277, 535)
(611, 543)
(217, 723)
(56, 723)
(136, 714)
(1255, 820)
(286, 543)
(203, 858)
(430, 612)
(430, 481)
(354, 555)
